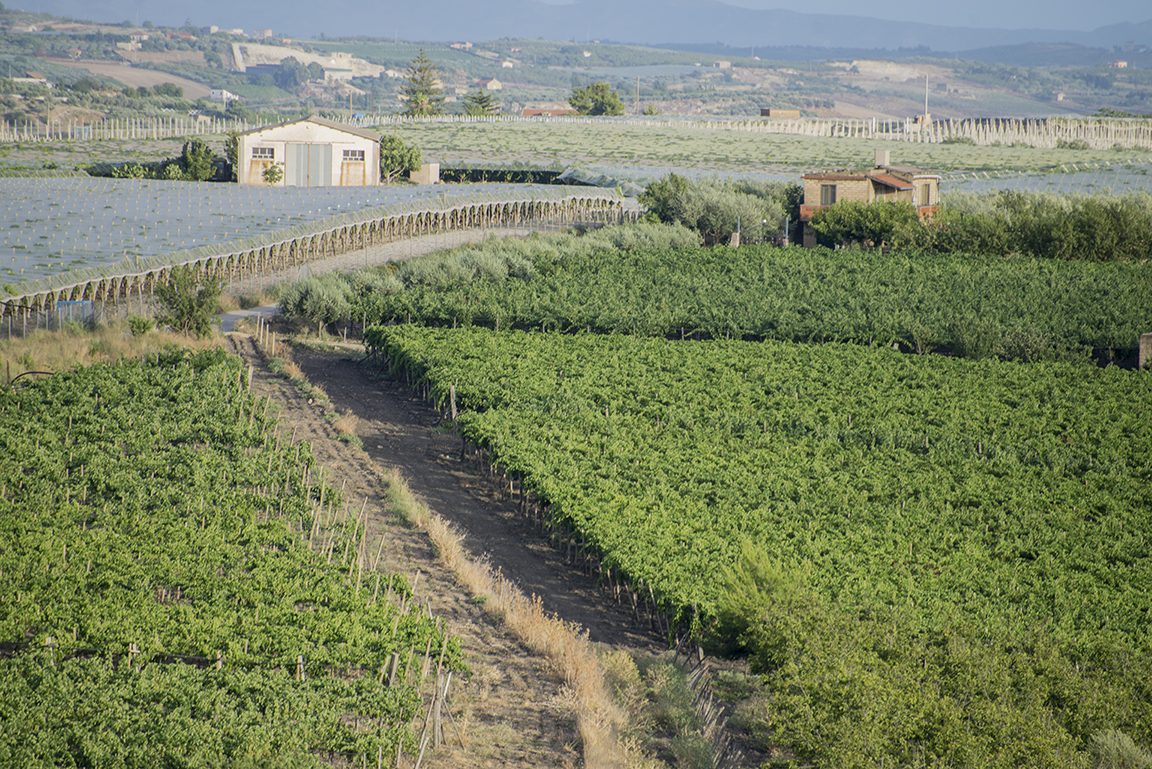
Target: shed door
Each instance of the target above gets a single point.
(308, 165)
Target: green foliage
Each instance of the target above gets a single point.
(1023, 309)
(140, 326)
(715, 208)
(290, 74)
(194, 164)
(377, 293)
(397, 158)
(422, 87)
(867, 224)
(168, 89)
(909, 577)
(1097, 228)
(596, 99)
(661, 197)
(129, 171)
(1113, 749)
(196, 161)
(188, 300)
(320, 299)
(232, 152)
(273, 174)
(651, 109)
(180, 526)
(481, 103)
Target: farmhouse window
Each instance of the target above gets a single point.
(353, 156)
(827, 194)
(263, 153)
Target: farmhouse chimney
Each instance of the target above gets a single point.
(881, 158)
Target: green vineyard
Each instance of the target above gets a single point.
(971, 306)
(182, 589)
(924, 520)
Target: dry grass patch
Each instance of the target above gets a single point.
(598, 718)
(67, 349)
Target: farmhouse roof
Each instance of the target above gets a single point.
(361, 132)
(890, 181)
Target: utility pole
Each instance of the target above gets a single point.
(637, 94)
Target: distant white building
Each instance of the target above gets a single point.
(312, 152)
(261, 34)
(490, 84)
(222, 94)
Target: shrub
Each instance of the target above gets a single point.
(188, 300)
(139, 326)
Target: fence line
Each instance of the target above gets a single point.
(164, 127)
(1046, 133)
(274, 255)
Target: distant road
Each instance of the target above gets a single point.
(131, 76)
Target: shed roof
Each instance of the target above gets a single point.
(361, 132)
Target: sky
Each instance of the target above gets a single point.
(1079, 15)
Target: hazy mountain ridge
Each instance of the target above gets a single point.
(630, 21)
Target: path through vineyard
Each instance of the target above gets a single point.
(509, 713)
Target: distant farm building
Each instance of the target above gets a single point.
(311, 152)
(528, 112)
(883, 182)
(489, 84)
(780, 114)
(223, 94)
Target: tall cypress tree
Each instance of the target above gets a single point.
(423, 88)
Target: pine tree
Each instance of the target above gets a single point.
(481, 103)
(422, 87)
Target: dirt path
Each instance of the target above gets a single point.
(399, 430)
(507, 713)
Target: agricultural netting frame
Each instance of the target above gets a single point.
(325, 235)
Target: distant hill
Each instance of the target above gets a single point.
(631, 21)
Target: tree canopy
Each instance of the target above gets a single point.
(422, 87)
(596, 99)
(188, 301)
(481, 103)
(396, 158)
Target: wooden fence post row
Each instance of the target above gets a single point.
(303, 249)
(1098, 133)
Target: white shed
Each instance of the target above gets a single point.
(311, 152)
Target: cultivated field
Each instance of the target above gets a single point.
(135, 78)
(631, 148)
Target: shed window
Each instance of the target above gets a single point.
(925, 194)
(353, 156)
(263, 153)
(827, 194)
